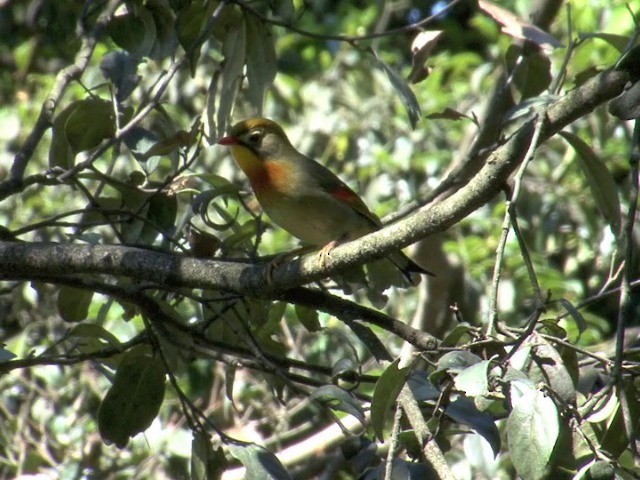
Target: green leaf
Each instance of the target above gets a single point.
(370, 340)
(549, 367)
(81, 126)
(574, 313)
(234, 49)
(599, 179)
(260, 463)
(615, 439)
(461, 333)
(60, 153)
(532, 430)
(229, 381)
(308, 318)
(89, 337)
(261, 61)
(206, 463)
(129, 32)
(73, 303)
(345, 370)
(531, 73)
(473, 380)
(619, 42)
(386, 392)
(453, 363)
(404, 91)
(190, 23)
(338, 399)
(134, 399)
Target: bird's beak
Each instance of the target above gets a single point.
(228, 141)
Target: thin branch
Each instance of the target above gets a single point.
(352, 39)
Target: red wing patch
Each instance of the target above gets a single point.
(345, 194)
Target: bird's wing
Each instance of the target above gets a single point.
(339, 190)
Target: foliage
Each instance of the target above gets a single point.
(137, 293)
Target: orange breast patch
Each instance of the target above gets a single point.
(273, 176)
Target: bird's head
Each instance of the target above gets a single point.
(262, 137)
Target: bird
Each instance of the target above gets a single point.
(300, 195)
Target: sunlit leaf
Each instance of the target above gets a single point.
(532, 431)
(404, 91)
(473, 380)
(386, 392)
(515, 27)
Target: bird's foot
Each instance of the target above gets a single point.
(281, 258)
(324, 252)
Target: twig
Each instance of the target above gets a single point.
(625, 313)
(510, 219)
(393, 443)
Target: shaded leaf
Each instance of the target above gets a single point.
(615, 440)
(189, 24)
(308, 318)
(630, 63)
(449, 114)
(6, 355)
(260, 463)
(261, 61)
(120, 69)
(139, 141)
(345, 370)
(549, 367)
(453, 363)
(531, 72)
(461, 333)
(574, 313)
(463, 410)
(338, 399)
(626, 106)
(82, 125)
(371, 340)
(73, 303)
(134, 399)
(91, 337)
(599, 179)
(234, 49)
(206, 463)
(421, 387)
(203, 244)
(133, 32)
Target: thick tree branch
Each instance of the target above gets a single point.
(19, 260)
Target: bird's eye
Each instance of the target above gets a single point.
(254, 138)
